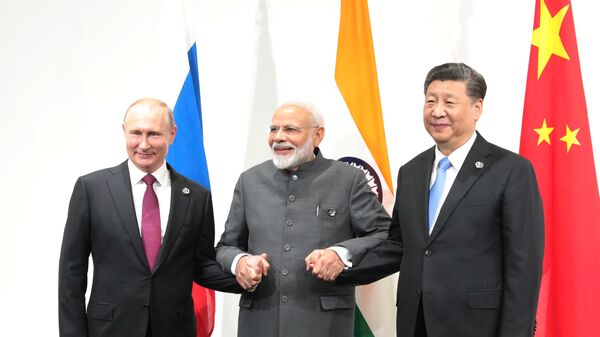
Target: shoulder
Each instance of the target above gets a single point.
(105, 173)
(178, 180)
(511, 158)
(265, 166)
(418, 161)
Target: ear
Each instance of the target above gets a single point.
(477, 109)
(173, 133)
(318, 135)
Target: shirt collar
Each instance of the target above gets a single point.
(458, 156)
(161, 174)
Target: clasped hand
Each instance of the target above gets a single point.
(250, 270)
(324, 264)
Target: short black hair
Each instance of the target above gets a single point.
(474, 81)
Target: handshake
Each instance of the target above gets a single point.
(324, 264)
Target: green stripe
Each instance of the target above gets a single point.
(361, 328)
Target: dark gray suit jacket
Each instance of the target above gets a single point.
(479, 272)
(288, 214)
(125, 294)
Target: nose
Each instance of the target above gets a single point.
(279, 135)
(438, 111)
(144, 143)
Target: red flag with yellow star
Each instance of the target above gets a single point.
(555, 136)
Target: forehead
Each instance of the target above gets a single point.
(447, 88)
(144, 115)
(291, 115)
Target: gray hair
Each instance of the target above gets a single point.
(317, 117)
(474, 81)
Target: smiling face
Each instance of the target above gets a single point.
(148, 134)
(449, 115)
(293, 136)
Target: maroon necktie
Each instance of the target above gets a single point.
(150, 221)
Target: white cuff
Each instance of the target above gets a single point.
(344, 254)
(236, 260)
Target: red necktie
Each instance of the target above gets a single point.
(150, 221)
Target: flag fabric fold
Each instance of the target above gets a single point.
(356, 78)
(555, 137)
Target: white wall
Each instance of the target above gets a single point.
(69, 68)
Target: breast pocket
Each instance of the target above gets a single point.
(331, 216)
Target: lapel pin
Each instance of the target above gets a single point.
(331, 212)
(185, 191)
(479, 164)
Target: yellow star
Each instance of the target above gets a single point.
(570, 138)
(544, 133)
(547, 36)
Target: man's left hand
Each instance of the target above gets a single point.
(325, 264)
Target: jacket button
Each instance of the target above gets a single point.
(146, 306)
(284, 272)
(428, 252)
(294, 177)
(284, 298)
(292, 197)
(289, 222)
(418, 293)
(287, 247)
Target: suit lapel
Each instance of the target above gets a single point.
(470, 171)
(119, 186)
(422, 192)
(180, 199)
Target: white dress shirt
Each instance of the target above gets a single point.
(456, 158)
(162, 188)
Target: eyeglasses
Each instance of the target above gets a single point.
(288, 129)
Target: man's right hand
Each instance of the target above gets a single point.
(250, 270)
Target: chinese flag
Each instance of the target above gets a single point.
(555, 136)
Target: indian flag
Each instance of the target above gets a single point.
(364, 145)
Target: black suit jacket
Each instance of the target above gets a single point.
(479, 272)
(125, 294)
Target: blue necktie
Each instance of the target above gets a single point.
(436, 190)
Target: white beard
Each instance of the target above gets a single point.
(299, 155)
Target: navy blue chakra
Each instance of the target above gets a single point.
(370, 174)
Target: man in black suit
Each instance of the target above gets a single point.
(467, 235)
(149, 240)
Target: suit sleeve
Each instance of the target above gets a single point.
(523, 242)
(380, 260)
(73, 265)
(206, 270)
(234, 240)
(369, 220)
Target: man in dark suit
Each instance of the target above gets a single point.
(467, 232)
(150, 232)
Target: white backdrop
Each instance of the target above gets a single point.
(69, 69)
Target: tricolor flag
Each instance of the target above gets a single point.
(364, 145)
(555, 136)
(179, 84)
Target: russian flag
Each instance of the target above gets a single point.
(177, 72)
